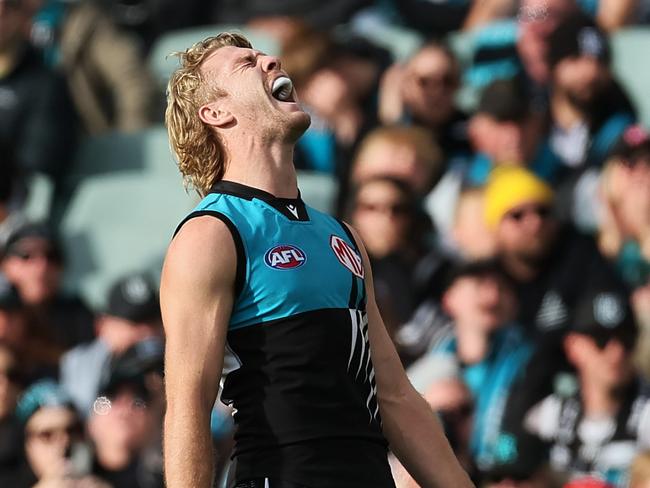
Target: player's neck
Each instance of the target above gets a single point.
(266, 167)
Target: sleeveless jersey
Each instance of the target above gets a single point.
(301, 378)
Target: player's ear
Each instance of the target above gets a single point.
(215, 115)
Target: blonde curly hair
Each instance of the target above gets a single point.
(199, 152)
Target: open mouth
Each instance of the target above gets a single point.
(282, 89)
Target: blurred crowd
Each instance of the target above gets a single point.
(509, 230)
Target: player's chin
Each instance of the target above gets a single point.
(298, 124)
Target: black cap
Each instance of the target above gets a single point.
(605, 314)
(36, 230)
(577, 35)
(9, 296)
(478, 268)
(505, 100)
(134, 297)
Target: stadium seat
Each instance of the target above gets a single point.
(40, 191)
(399, 41)
(162, 63)
(318, 190)
(147, 150)
(630, 48)
(125, 199)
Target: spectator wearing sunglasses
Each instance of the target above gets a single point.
(551, 265)
(395, 230)
(422, 92)
(33, 261)
(125, 424)
(55, 447)
(598, 418)
(19, 332)
(132, 315)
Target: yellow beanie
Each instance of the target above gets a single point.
(511, 186)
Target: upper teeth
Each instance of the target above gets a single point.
(282, 88)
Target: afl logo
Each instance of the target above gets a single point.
(284, 257)
(347, 256)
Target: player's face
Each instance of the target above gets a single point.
(256, 91)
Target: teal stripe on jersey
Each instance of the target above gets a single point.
(291, 265)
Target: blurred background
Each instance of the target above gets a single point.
(494, 155)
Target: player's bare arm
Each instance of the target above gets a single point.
(197, 288)
(411, 428)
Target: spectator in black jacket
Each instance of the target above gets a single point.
(33, 260)
(554, 269)
(598, 419)
(36, 115)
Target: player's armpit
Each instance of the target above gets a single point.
(411, 428)
(196, 296)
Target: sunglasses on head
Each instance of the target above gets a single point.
(542, 211)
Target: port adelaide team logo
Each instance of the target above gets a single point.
(347, 256)
(285, 257)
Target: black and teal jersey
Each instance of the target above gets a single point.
(302, 382)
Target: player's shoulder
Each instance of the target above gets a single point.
(202, 238)
(200, 228)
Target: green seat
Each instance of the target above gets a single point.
(630, 48)
(126, 198)
(147, 150)
(318, 190)
(162, 63)
(401, 42)
(40, 191)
